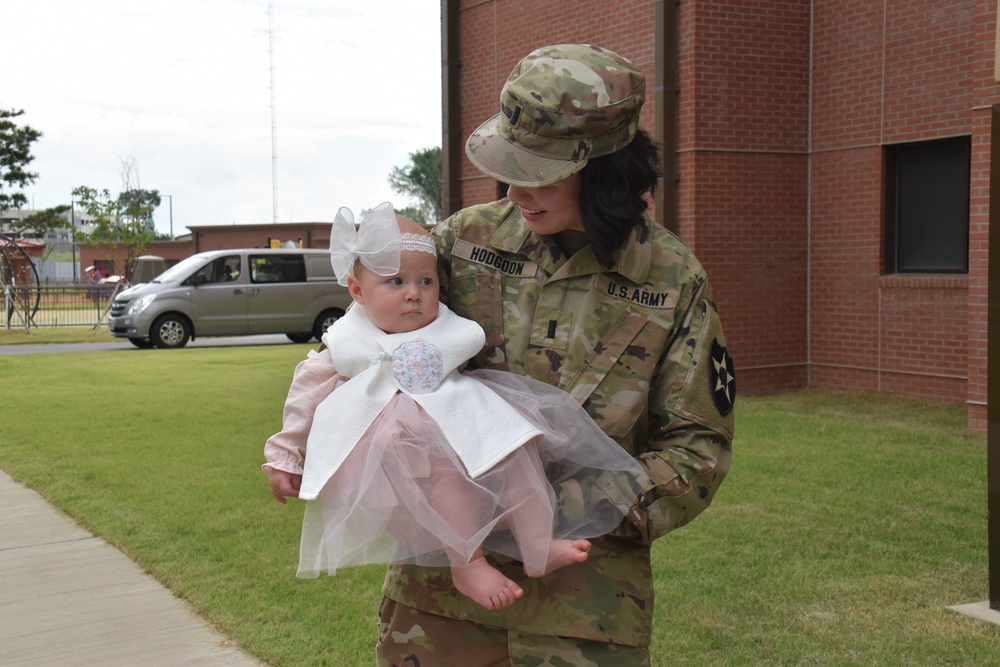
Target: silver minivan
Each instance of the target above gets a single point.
(233, 293)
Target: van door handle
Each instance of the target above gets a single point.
(237, 292)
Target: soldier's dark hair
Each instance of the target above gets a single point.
(613, 192)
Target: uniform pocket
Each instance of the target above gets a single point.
(613, 383)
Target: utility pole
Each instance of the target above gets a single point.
(990, 609)
(72, 238)
(170, 200)
(993, 375)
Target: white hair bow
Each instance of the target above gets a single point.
(376, 242)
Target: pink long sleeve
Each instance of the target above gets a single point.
(313, 380)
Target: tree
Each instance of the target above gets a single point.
(137, 206)
(15, 155)
(420, 178)
(124, 221)
(411, 212)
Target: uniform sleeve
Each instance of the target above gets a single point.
(691, 425)
(313, 380)
(686, 441)
(444, 238)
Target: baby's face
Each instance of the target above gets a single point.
(402, 302)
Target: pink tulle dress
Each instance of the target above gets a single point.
(412, 461)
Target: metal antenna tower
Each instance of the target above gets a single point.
(274, 123)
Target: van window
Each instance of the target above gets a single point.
(220, 270)
(320, 268)
(277, 269)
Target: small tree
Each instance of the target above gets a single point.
(117, 223)
(421, 179)
(125, 221)
(15, 155)
(137, 206)
(413, 213)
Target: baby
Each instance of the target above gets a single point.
(402, 444)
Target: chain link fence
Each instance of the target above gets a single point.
(62, 306)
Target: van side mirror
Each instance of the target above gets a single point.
(198, 279)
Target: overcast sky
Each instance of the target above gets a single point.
(183, 89)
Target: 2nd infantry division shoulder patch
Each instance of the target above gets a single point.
(722, 377)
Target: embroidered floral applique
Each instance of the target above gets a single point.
(417, 367)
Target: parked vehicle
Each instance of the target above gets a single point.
(233, 293)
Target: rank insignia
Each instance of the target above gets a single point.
(722, 379)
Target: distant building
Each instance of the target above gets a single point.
(57, 239)
(213, 237)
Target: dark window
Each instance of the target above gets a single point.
(221, 270)
(277, 269)
(927, 207)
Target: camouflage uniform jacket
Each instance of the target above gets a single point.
(641, 347)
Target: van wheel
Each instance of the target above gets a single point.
(141, 343)
(324, 321)
(170, 331)
(299, 338)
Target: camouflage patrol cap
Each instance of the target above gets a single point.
(561, 106)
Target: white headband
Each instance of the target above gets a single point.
(376, 242)
(419, 242)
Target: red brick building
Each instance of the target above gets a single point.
(212, 237)
(827, 160)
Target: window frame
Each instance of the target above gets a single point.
(280, 260)
(897, 158)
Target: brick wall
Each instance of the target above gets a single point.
(984, 96)
(886, 73)
(496, 34)
(783, 112)
(743, 140)
(217, 237)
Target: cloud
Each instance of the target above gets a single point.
(184, 89)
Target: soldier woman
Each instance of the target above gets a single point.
(576, 286)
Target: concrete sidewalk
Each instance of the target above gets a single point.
(69, 599)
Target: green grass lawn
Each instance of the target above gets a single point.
(847, 527)
(16, 335)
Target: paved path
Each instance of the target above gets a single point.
(68, 599)
(125, 346)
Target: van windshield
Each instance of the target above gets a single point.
(180, 270)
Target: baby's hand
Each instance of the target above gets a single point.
(284, 484)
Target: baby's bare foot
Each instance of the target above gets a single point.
(563, 553)
(485, 585)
